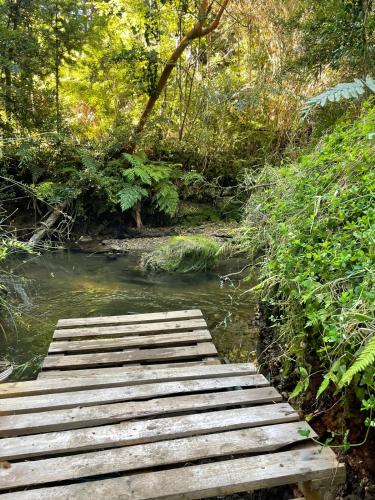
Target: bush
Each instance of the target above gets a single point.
(315, 229)
(183, 254)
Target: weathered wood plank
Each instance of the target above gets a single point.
(134, 341)
(113, 377)
(130, 318)
(95, 331)
(116, 369)
(127, 433)
(32, 423)
(55, 401)
(200, 481)
(129, 356)
(258, 440)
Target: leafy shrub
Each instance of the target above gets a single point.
(55, 193)
(149, 179)
(183, 254)
(315, 229)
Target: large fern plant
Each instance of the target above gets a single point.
(341, 91)
(149, 180)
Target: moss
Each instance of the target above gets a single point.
(183, 254)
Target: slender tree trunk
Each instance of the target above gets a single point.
(8, 97)
(57, 69)
(137, 216)
(199, 30)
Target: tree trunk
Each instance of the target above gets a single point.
(199, 30)
(137, 216)
(48, 224)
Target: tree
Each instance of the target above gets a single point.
(199, 30)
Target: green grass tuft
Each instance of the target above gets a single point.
(183, 254)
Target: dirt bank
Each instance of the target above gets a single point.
(147, 239)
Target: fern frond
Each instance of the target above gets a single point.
(192, 177)
(364, 359)
(88, 161)
(130, 195)
(135, 160)
(160, 172)
(139, 172)
(351, 90)
(167, 198)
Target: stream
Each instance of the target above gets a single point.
(66, 284)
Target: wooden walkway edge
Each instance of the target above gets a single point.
(139, 407)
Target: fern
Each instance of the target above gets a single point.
(192, 177)
(364, 359)
(167, 198)
(135, 160)
(148, 174)
(130, 195)
(138, 173)
(88, 160)
(352, 90)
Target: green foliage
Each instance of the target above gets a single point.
(55, 193)
(364, 359)
(130, 195)
(166, 198)
(315, 229)
(338, 34)
(9, 246)
(183, 254)
(153, 180)
(352, 90)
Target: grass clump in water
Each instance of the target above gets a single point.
(183, 254)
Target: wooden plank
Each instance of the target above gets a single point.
(200, 481)
(32, 423)
(129, 318)
(57, 401)
(134, 341)
(116, 369)
(253, 440)
(129, 356)
(114, 377)
(95, 331)
(127, 433)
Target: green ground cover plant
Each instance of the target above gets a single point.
(314, 228)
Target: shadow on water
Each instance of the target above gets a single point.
(63, 285)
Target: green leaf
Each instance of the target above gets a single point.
(167, 198)
(323, 386)
(130, 195)
(304, 432)
(297, 390)
(370, 82)
(363, 360)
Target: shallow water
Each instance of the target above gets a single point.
(62, 285)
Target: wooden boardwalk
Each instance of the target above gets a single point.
(139, 407)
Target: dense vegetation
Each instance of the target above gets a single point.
(314, 229)
(119, 113)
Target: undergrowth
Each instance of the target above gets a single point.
(183, 254)
(313, 224)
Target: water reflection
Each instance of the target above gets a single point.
(63, 284)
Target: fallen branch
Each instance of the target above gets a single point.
(46, 225)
